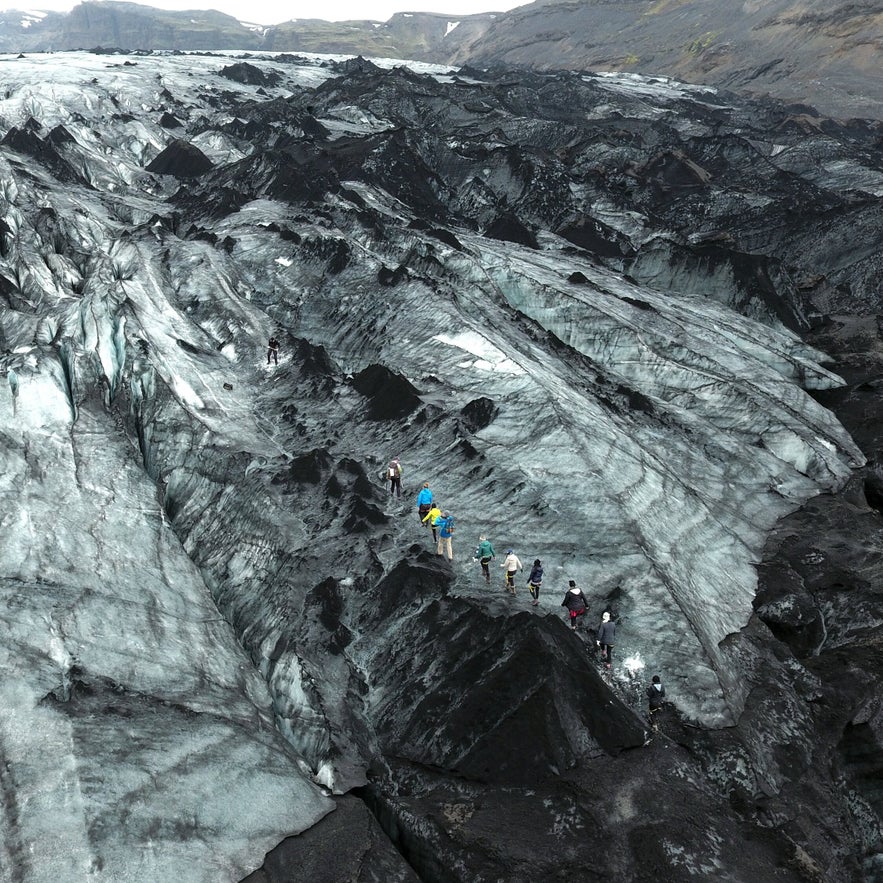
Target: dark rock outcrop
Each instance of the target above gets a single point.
(389, 394)
(180, 159)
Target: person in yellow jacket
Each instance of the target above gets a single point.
(431, 518)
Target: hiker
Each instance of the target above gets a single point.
(445, 532)
(606, 637)
(656, 699)
(394, 476)
(273, 350)
(485, 554)
(431, 520)
(575, 602)
(535, 580)
(512, 564)
(424, 500)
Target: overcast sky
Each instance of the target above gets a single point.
(268, 12)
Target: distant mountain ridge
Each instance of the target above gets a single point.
(819, 52)
(110, 24)
(825, 52)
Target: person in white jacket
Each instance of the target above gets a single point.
(512, 565)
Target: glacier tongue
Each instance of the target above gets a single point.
(137, 738)
(209, 598)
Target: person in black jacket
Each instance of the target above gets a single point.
(606, 637)
(656, 699)
(273, 350)
(575, 602)
(535, 580)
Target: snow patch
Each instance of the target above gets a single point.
(325, 775)
(451, 26)
(633, 664)
(489, 358)
(31, 17)
(185, 393)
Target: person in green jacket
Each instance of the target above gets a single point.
(485, 554)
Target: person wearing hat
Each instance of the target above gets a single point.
(575, 602)
(512, 565)
(606, 637)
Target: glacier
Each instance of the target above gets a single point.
(218, 621)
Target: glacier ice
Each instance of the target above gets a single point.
(193, 622)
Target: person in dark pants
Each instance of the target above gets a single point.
(273, 350)
(485, 554)
(575, 602)
(394, 474)
(656, 699)
(535, 580)
(431, 518)
(606, 637)
(424, 500)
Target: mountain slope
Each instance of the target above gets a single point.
(825, 54)
(814, 52)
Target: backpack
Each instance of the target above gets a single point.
(391, 473)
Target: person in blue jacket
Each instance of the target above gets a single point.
(424, 500)
(445, 533)
(535, 580)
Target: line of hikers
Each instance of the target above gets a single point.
(441, 523)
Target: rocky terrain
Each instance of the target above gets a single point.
(619, 323)
(825, 54)
(818, 52)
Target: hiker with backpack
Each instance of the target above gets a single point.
(605, 638)
(535, 580)
(575, 602)
(394, 476)
(431, 520)
(512, 564)
(424, 500)
(485, 554)
(445, 534)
